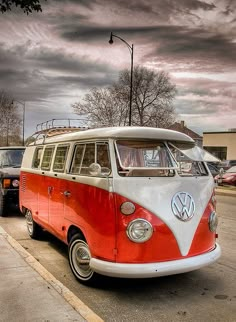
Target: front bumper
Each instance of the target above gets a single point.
(155, 269)
(11, 196)
(11, 193)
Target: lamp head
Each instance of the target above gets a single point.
(111, 39)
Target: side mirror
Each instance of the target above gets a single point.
(221, 171)
(105, 171)
(95, 169)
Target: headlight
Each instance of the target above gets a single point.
(213, 221)
(139, 230)
(15, 183)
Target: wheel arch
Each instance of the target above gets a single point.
(24, 209)
(73, 230)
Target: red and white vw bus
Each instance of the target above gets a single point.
(131, 202)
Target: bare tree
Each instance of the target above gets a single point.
(10, 124)
(102, 107)
(152, 97)
(151, 103)
(28, 6)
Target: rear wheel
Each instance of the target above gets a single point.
(79, 259)
(33, 228)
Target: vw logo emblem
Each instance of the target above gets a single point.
(183, 206)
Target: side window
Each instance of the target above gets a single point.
(47, 158)
(60, 158)
(86, 154)
(88, 158)
(78, 155)
(103, 155)
(37, 157)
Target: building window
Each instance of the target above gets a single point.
(218, 151)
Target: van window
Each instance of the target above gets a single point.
(189, 162)
(60, 158)
(47, 158)
(144, 158)
(88, 158)
(103, 155)
(37, 157)
(87, 154)
(78, 156)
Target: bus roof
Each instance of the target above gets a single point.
(125, 132)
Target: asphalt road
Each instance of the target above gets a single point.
(208, 294)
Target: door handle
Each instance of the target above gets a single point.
(50, 189)
(66, 193)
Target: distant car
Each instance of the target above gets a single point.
(228, 177)
(10, 163)
(227, 164)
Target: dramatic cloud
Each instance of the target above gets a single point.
(51, 59)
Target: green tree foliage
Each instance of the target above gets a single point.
(153, 94)
(28, 6)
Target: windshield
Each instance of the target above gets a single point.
(190, 161)
(144, 158)
(232, 169)
(11, 158)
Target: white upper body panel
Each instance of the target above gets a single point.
(120, 132)
(156, 194)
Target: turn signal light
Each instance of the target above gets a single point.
(127, 208)
(6, 183)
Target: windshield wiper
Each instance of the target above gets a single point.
(10, 165)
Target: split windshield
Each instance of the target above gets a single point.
(155, 158)
(190, 160)
(144, 158)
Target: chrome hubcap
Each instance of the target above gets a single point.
(29, 221)
(81, 259)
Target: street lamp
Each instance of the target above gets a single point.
(131, 50)
(23, 125)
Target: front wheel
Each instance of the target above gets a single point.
(79, 259)
(33, 228)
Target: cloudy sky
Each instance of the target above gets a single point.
(51, 59)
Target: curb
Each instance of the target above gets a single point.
(224, 192)
(69, 296)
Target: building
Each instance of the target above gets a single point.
(221, 144)
(180, 127)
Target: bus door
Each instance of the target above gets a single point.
(90, 203)
(45, 183)
(58, 191)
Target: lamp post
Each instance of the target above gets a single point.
(23, 125)
(131, 50)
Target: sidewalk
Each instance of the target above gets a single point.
(30, 293)
(226, 191)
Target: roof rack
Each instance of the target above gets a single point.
(55, 127)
